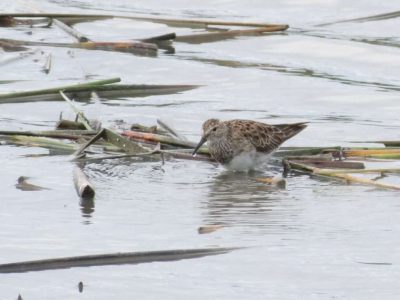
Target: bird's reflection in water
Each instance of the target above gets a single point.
(238, 199)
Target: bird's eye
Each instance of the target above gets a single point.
(214, 129)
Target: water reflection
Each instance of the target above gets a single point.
(87, 208)
(379, 17)
(80, 286)
(304, 72)
(237, 199)
(382, 41)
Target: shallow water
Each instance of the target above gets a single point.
(318, 239)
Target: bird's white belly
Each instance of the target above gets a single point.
(247, 161)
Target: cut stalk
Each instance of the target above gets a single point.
(47, 65)
(71, 31)
(83, 186)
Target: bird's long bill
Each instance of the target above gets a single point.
(202, 141)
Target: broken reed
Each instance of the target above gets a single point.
(119, 258)
(134, 47)
(176, 22)
(340, 174)
(83, 91)
(55, 90)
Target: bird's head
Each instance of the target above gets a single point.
(212, 129)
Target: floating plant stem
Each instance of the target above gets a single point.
(341, 175)
(110, 259)
(71, 31)
(83, 186)
(55, 90)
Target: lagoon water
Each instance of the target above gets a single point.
(318, 239)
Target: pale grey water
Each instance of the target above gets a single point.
(315, 240)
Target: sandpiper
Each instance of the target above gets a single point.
(243, 145)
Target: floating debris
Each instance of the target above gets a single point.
(24, 185)
(68, 29)
(162, 41)
(147, 46)
(134, 47)
(332, 164)
(30, 95)
(110, 259)
(69, 125)
(43, 142)
(114, 139)
(103, 88)
(177, 22)
(228, 34)
(7, 21)
(82, 184)
(208, 228)
(10, 21)
(47, 65)
(275, 181)
(388, 153)
(80, 286)
(341, 175)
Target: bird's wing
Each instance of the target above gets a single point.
(270, 137)
(265, 138)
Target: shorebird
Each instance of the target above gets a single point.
(243, 145)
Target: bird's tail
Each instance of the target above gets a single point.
(290, 130)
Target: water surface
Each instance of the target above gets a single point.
(318, 239)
